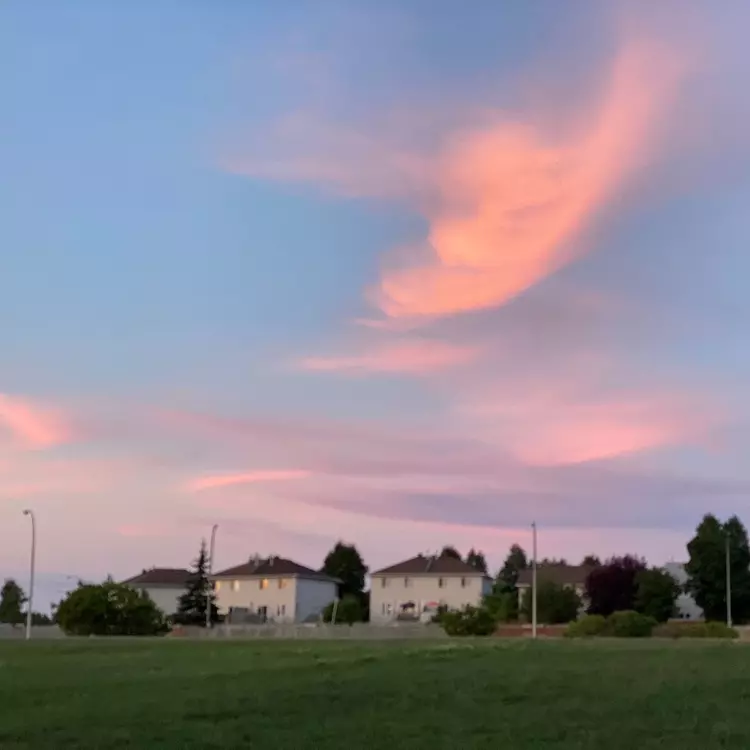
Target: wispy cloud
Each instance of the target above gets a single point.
(416, 357)
(215, 481)
(31, 424)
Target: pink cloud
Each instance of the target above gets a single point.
(417, 357)
(32, 425)
(216, 481)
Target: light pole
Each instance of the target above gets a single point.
(533, 580)
(210, 570)
(729, 584)
(30, 514)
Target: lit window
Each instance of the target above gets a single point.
(406, 583)
(441, 583)
(383, 583)
(263, 584)
(282, 583)
(235, 585)
(217, 586)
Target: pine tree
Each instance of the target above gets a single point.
(191, 609)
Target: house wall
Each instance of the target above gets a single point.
(687, 607)
(166, 598)
(386, 600)
(278, 596)
(312, 597)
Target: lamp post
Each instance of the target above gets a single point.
(533, 580)
(210, 570)
(30, 513)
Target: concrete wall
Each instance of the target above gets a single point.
(389, 593)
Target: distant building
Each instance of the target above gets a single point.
(165, 586)
(415, 588)
(569, 576)
(687, 608)
(273, 589)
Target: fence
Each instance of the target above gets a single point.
(358, 631)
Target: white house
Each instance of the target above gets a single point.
(273, 589)
(687, 607)
(415, 588)
(164, 585)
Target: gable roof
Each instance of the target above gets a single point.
(161, 577)
(562, 575)
(422, 565)
(273, 566)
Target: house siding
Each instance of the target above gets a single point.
(312, 597)
(386, 601)
(248, 594)
(166, 598)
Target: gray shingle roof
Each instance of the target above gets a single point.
(273, 566)
(425, 566)
(160, 577)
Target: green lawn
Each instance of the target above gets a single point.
(365, 696)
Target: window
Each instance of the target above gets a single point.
(383, 583)
(407, 583)
(283, 583)
(463, 583)
(283, 609)
(217, 586)
(441, 583)
(263, 584)
(235, 585)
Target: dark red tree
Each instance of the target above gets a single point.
(612, 587)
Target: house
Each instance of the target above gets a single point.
(415, 588)
(687, 607)
(273, 588)
(569, 576)
(165, 586)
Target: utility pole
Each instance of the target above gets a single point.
(30, 514)
(211, 550)
(533, 581)
(729, 584)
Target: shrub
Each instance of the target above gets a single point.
(349, 611)
(587, 627)
(502, 606)
(468, 621)
(555, 604)
(630, 624)
(695, 630)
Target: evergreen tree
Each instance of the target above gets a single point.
(476, 559)
(515, 562)
(191, 609)
(12, 599)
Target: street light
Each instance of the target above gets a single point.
(210, 570)
(533, 580)
(30, 514)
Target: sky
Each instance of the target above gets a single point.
(403, 274)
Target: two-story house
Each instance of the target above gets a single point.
(164, 586)
(415, 588)
(273, 589)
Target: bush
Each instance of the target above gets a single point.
(630, 624)
(555, 604)
(695, 630)
(349, 610)
(109, 609)
(468, 621)
(587, 627)
(502, 606)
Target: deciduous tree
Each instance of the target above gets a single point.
(450, 551)
(345, 563)
(554, 603)
(12, 599)
(612, 587)
(656, 594)
(476, 559)
(515, 562)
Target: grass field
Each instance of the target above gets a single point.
(297, 695)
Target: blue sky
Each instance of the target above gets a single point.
(381, 271)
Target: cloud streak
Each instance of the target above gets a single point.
(32, 425)
(216, 481)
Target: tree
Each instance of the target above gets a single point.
(191, 608)
(515, 562)
(591, 561)
(552, 562)
(39, 618)
(12, 600)
(450, 551)
(476, 559)
(348, 611)
(656, 594)
(612, 587)
(706, 568)
(345, 563)
(555, 604)
(109, 609)
(503, 606)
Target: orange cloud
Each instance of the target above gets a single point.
(34, 426)
(411, 357)
(216, 481)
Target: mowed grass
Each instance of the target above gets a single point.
(456, 695)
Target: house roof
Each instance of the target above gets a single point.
(161, 577)
(422, 565)
(273, 566)
(563, 575)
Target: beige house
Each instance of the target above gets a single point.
(273, 589)
(165, 586)
(415, 588)
(570, 576)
